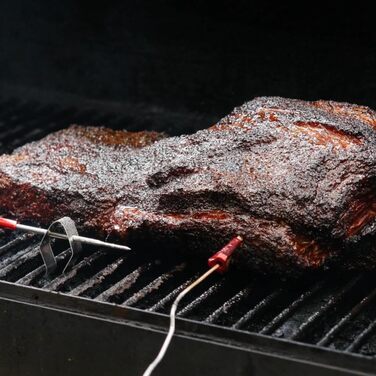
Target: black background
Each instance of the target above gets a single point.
(194, 57)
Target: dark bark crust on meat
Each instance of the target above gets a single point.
(296, 179)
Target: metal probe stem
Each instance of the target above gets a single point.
(218, 262)
(171, 329)
(82, 239)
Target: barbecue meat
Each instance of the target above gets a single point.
(296, 179)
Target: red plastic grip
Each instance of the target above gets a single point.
(222, 257)
(8, 223)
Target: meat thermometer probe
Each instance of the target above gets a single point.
(218, 262)
(11, 224)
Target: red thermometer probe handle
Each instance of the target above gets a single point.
(8, 223)
(222, 257)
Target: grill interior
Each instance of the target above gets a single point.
(332, 311)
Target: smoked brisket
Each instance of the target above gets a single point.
(296, 179)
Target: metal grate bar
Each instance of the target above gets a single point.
(34, 123)
(124, 284)
(257, 309)
(18, 123)
(7, 107)
(51, 119)
(27, 259)
(288, 311)
(362, 337)
(154, 285)
(46, 125)
(332, 301)
(57, 283)
(98, 279)
(30, 277)
(18, 112)
(7, 263)
(200, 299)
(172, 295)
(225, 307)
(355, 311)
(17, 242)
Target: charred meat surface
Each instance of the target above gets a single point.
(296, 179)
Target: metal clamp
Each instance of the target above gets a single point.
(45, 247)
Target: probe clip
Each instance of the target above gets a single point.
(45, 246)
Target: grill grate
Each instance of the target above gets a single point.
(336, 312)
(333, 312)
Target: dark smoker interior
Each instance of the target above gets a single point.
(185, 64)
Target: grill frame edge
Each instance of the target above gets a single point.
(255, 350)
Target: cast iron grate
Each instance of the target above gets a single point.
(336, 311)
